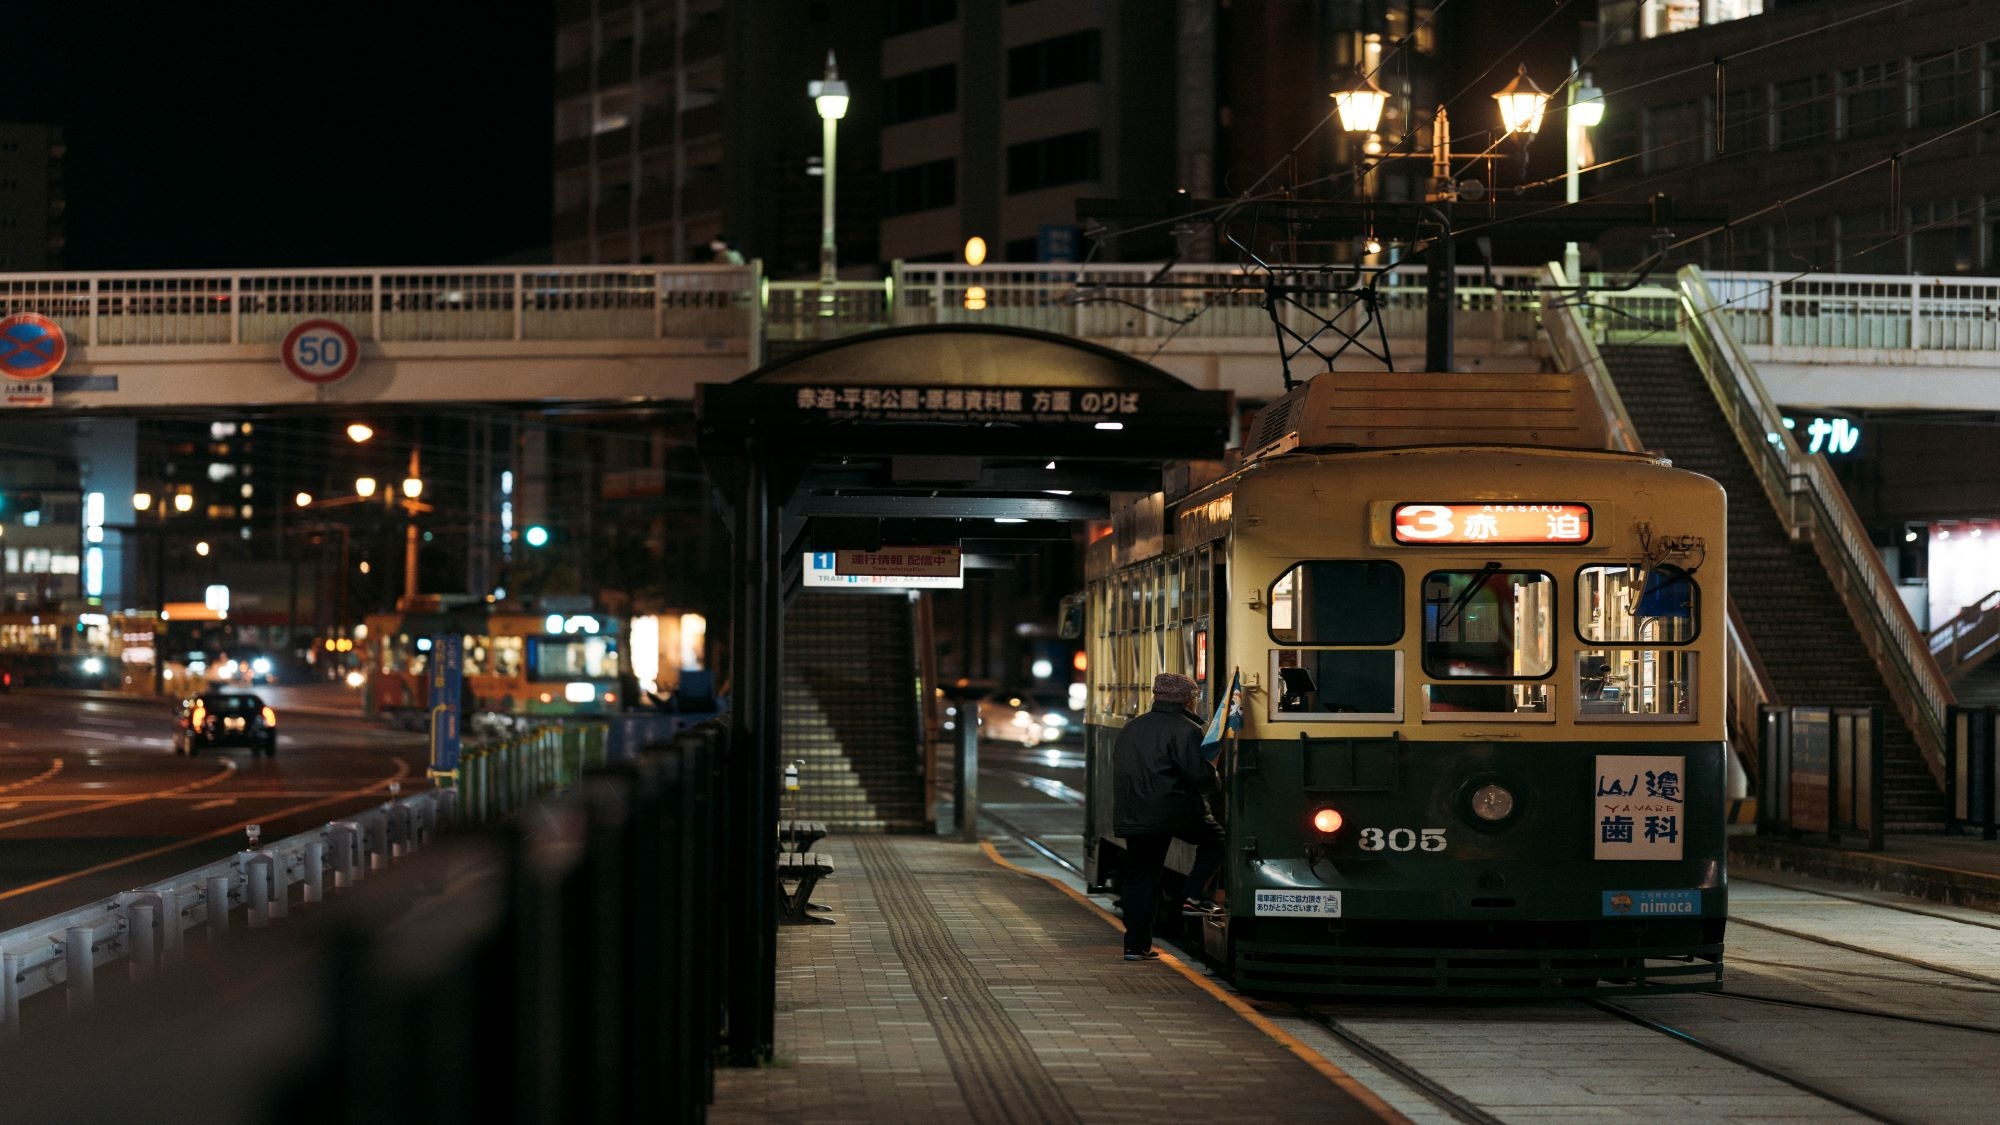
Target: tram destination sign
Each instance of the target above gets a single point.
(1482, 521)
(1068, 421)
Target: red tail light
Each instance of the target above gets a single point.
(1327, 821)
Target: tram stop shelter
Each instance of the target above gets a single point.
(911, 436)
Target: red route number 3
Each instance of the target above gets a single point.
(320, 351)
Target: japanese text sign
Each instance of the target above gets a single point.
(1492, 523)
(1641, 807)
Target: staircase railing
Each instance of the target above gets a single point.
(1574, 345)
(1815, 507)
(1969, 639)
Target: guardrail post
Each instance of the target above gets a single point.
(218, 906)
(315, 873)
(10, 994)
(170, 922)
(139, 920)
(444, 810)
(79, 981)
(376, 844)
(257, 890)
(346, 840)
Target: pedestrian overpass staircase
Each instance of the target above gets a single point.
(852, 716)
(1808, 592)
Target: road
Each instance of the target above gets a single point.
(93, 799)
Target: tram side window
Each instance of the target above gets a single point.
(1338, 602)
(1634, 605)
(592, 658)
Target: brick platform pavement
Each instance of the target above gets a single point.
(957, 989)
(1960, 870)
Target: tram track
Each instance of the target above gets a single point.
(1738, 1058)
(1866, 951)
(1813, 1005)
(1862, 900)
(1457, 1107)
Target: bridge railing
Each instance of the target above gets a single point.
(393, 305)
(1815, 507)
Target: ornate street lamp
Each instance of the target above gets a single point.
(830, 98)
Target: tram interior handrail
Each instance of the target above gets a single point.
(1815, 507)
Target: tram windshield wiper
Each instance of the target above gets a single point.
(1450, 616)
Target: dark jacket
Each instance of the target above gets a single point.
(1158, 776)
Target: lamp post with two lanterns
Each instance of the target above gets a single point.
(1522, 105)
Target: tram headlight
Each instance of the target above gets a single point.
(1492, 803)
(1327, 821)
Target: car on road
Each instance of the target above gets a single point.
(225, 718)
(1030, 718)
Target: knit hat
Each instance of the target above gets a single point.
(1171, 687)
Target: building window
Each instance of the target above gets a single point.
(1745, 126)
(1871, 100)
(1050, 64)
(1067, 159)
(926, 93)
(915, 15)
(1867, 244)
(1946, 87)
(920, 187)
(1941, 237)
(1802, 111)
(1674, 136)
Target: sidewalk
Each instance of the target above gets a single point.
(1959, 870)
(955, 987)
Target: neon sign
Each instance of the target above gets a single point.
(1495, 522)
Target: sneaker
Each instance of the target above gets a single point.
(1149, 955)
(1201, 906)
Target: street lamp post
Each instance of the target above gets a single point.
(830, 98)
(1585, 109)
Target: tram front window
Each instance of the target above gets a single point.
(1628, 604)
(1488, 624)
(1338, 602)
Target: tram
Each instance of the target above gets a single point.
(1480, 748)
(516, 664)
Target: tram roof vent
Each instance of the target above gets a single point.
(1384, 409)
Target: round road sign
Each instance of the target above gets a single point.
(31, 346)
(320, 351)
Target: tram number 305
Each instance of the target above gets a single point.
(1402, 839)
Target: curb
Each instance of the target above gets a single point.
(1974, 890)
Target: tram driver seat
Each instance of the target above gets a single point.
(1299, 690)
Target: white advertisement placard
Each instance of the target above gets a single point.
(1641, 806)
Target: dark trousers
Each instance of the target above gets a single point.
(1145, 861)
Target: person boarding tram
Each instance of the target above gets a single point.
(1161, 783)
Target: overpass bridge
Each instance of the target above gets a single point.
(553, 334)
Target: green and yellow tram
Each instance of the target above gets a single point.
(1481, 742)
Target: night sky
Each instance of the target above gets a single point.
(292, 134)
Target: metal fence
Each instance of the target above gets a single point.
(1972, 772)
(1820, 773)
(398, 305)
(564, 967)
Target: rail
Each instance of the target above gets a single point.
(1814, 506)
(393, 305)
(563, 971)
(1969, 639)
(148, 926)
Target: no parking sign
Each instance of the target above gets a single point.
(320, 351)
(31, 346)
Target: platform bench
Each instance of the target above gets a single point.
(803, 870)
(800, 835)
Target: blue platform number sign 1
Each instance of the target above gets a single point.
(320, 351)
(446, 676)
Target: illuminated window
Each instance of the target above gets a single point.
(1629, 605)
(1488, 624)
(1635, 683)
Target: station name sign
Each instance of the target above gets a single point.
(967, 404)
(1491, 522)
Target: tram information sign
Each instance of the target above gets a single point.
(1491, 522)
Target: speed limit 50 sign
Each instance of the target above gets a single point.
(320, 351)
